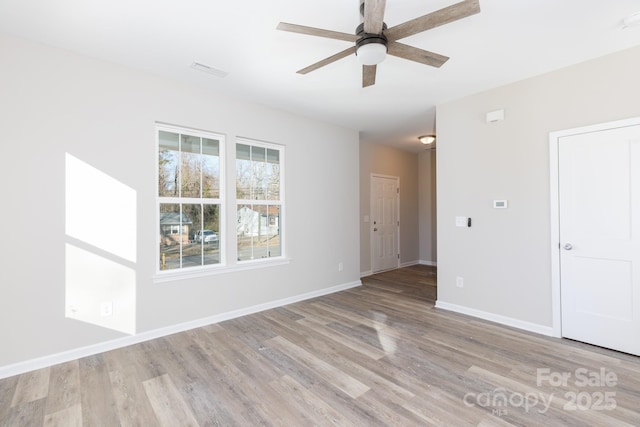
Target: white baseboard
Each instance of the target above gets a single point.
(503, 320)
(366, 273)
(409, 264)
(66, 356)
(431, 263)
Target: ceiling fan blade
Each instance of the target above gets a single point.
(327, 61)
(311, 31)
(368, 75)
(415, 54)
(373, 16)
(434, 19)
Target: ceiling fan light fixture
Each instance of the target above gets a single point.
(371, 49)
(427, 139)
(372, 53)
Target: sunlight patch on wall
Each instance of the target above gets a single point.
(100, 210)
(100, 255)
(100, 291)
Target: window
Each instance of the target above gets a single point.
(259, 200)
(192, 233)
(189, 198)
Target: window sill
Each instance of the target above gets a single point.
(191, 273)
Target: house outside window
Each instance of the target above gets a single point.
(190, 188)
(259, 200)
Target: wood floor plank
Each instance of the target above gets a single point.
(314, 310)
(170, 408)
(7, 391)
(213, 396)
(31, 386)
(96, 394)
(438, 408)
(208, 406)
(388, 412)
(25, 414)
(70, 416)
(313, 410)
(361, 347)
(349, 408)
(198, 380)
(343, 360)
(133, 406)
(254, 398)
(334, 376)
(64, 387)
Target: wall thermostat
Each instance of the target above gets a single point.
(500, 204)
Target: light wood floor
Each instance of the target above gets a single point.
(376, 355)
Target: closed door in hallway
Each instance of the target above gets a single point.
(384, 222)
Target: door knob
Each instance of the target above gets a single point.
(568, 246)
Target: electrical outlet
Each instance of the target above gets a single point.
(106, 309)
(459, 282)
(340, 266)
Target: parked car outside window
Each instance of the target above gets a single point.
(206, 236)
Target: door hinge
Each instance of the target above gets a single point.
(398, 256)
(397, 191)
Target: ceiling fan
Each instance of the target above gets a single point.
(373, 40)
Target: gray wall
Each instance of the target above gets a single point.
(427, 207)
(55, 102)
(384, 160)
(505, 257)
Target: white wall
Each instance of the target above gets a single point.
(385, 160)
(55, 102)
(504, 257)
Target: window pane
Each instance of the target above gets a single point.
(247, 227)
(273, 174)
(210, 168)
(258, 232)
(171, 238)
(273, 181)
(273, 232)
(273, 156)
(191, 166)
(259, 165)
(168, 155)
(243, 152)
(243, 171)
(191, 251)
(210, 239)
(258, 154)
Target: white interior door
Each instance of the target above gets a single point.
(384, 223)
(599, 206)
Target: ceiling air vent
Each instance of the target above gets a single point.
(207, 69)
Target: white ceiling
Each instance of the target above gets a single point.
(508, 41)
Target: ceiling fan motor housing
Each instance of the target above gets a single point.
(367, 38)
